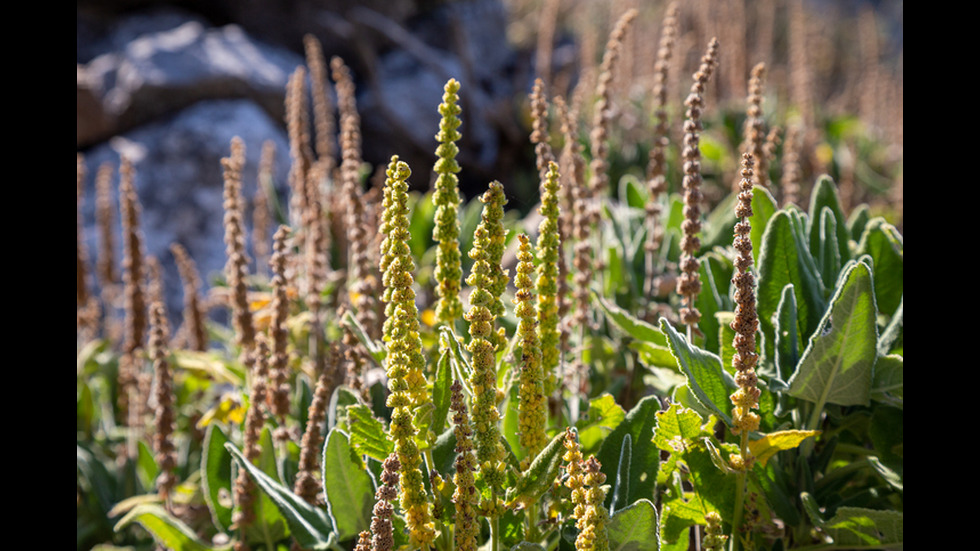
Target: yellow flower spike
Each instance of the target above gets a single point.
(532, 410)
(548, 250)
(449, 271)
(404, 362)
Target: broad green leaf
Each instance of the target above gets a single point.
(368, 435)
(787, 343)
(527, 546)
(603, 416)
(889, 381)
(679, 514)
(216, 482)
(540, 475)
(824, 195)
(713, 487)
(630, 325)
(347, 485)
(828, 254)
(891, 340)
(763, 208)
(709, 382)
(654, 356)
(785, 259)
(867, 528)
(676, 428)
(767, 446)
(644, 455)
(168, 531)
(635, 528)
(838, 363)
(882, 242)
(310, 525)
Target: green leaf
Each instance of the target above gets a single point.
(310, 525)
(854, 526)
(603, 416)
(644, 456)
(785, 259)
(726, 340)
(367, 434)
(677, 428)
(622, 486)
(824, 196)
(147, 466)
(858, 221)
(678, 515)
(269, 522)
(763, 208)
(787, 343)
(168, 531)
(441, 392)
(711, 299)
(891, 340)
(838, 363)
(216, 481)
(632, 192)
(882, 242)
(629, 325)
(635, 528)
(348, 487)
(828, 255)
(709, 382)
(889, 381)
(540, 475)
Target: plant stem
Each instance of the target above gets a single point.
(494, 533)
(739, 493)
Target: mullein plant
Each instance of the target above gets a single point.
(449, 272)
(404, 361)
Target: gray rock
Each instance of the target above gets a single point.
(159, 73)
(179, 181)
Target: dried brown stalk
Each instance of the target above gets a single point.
(689, 283)
(236, 267)
(194, 329)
